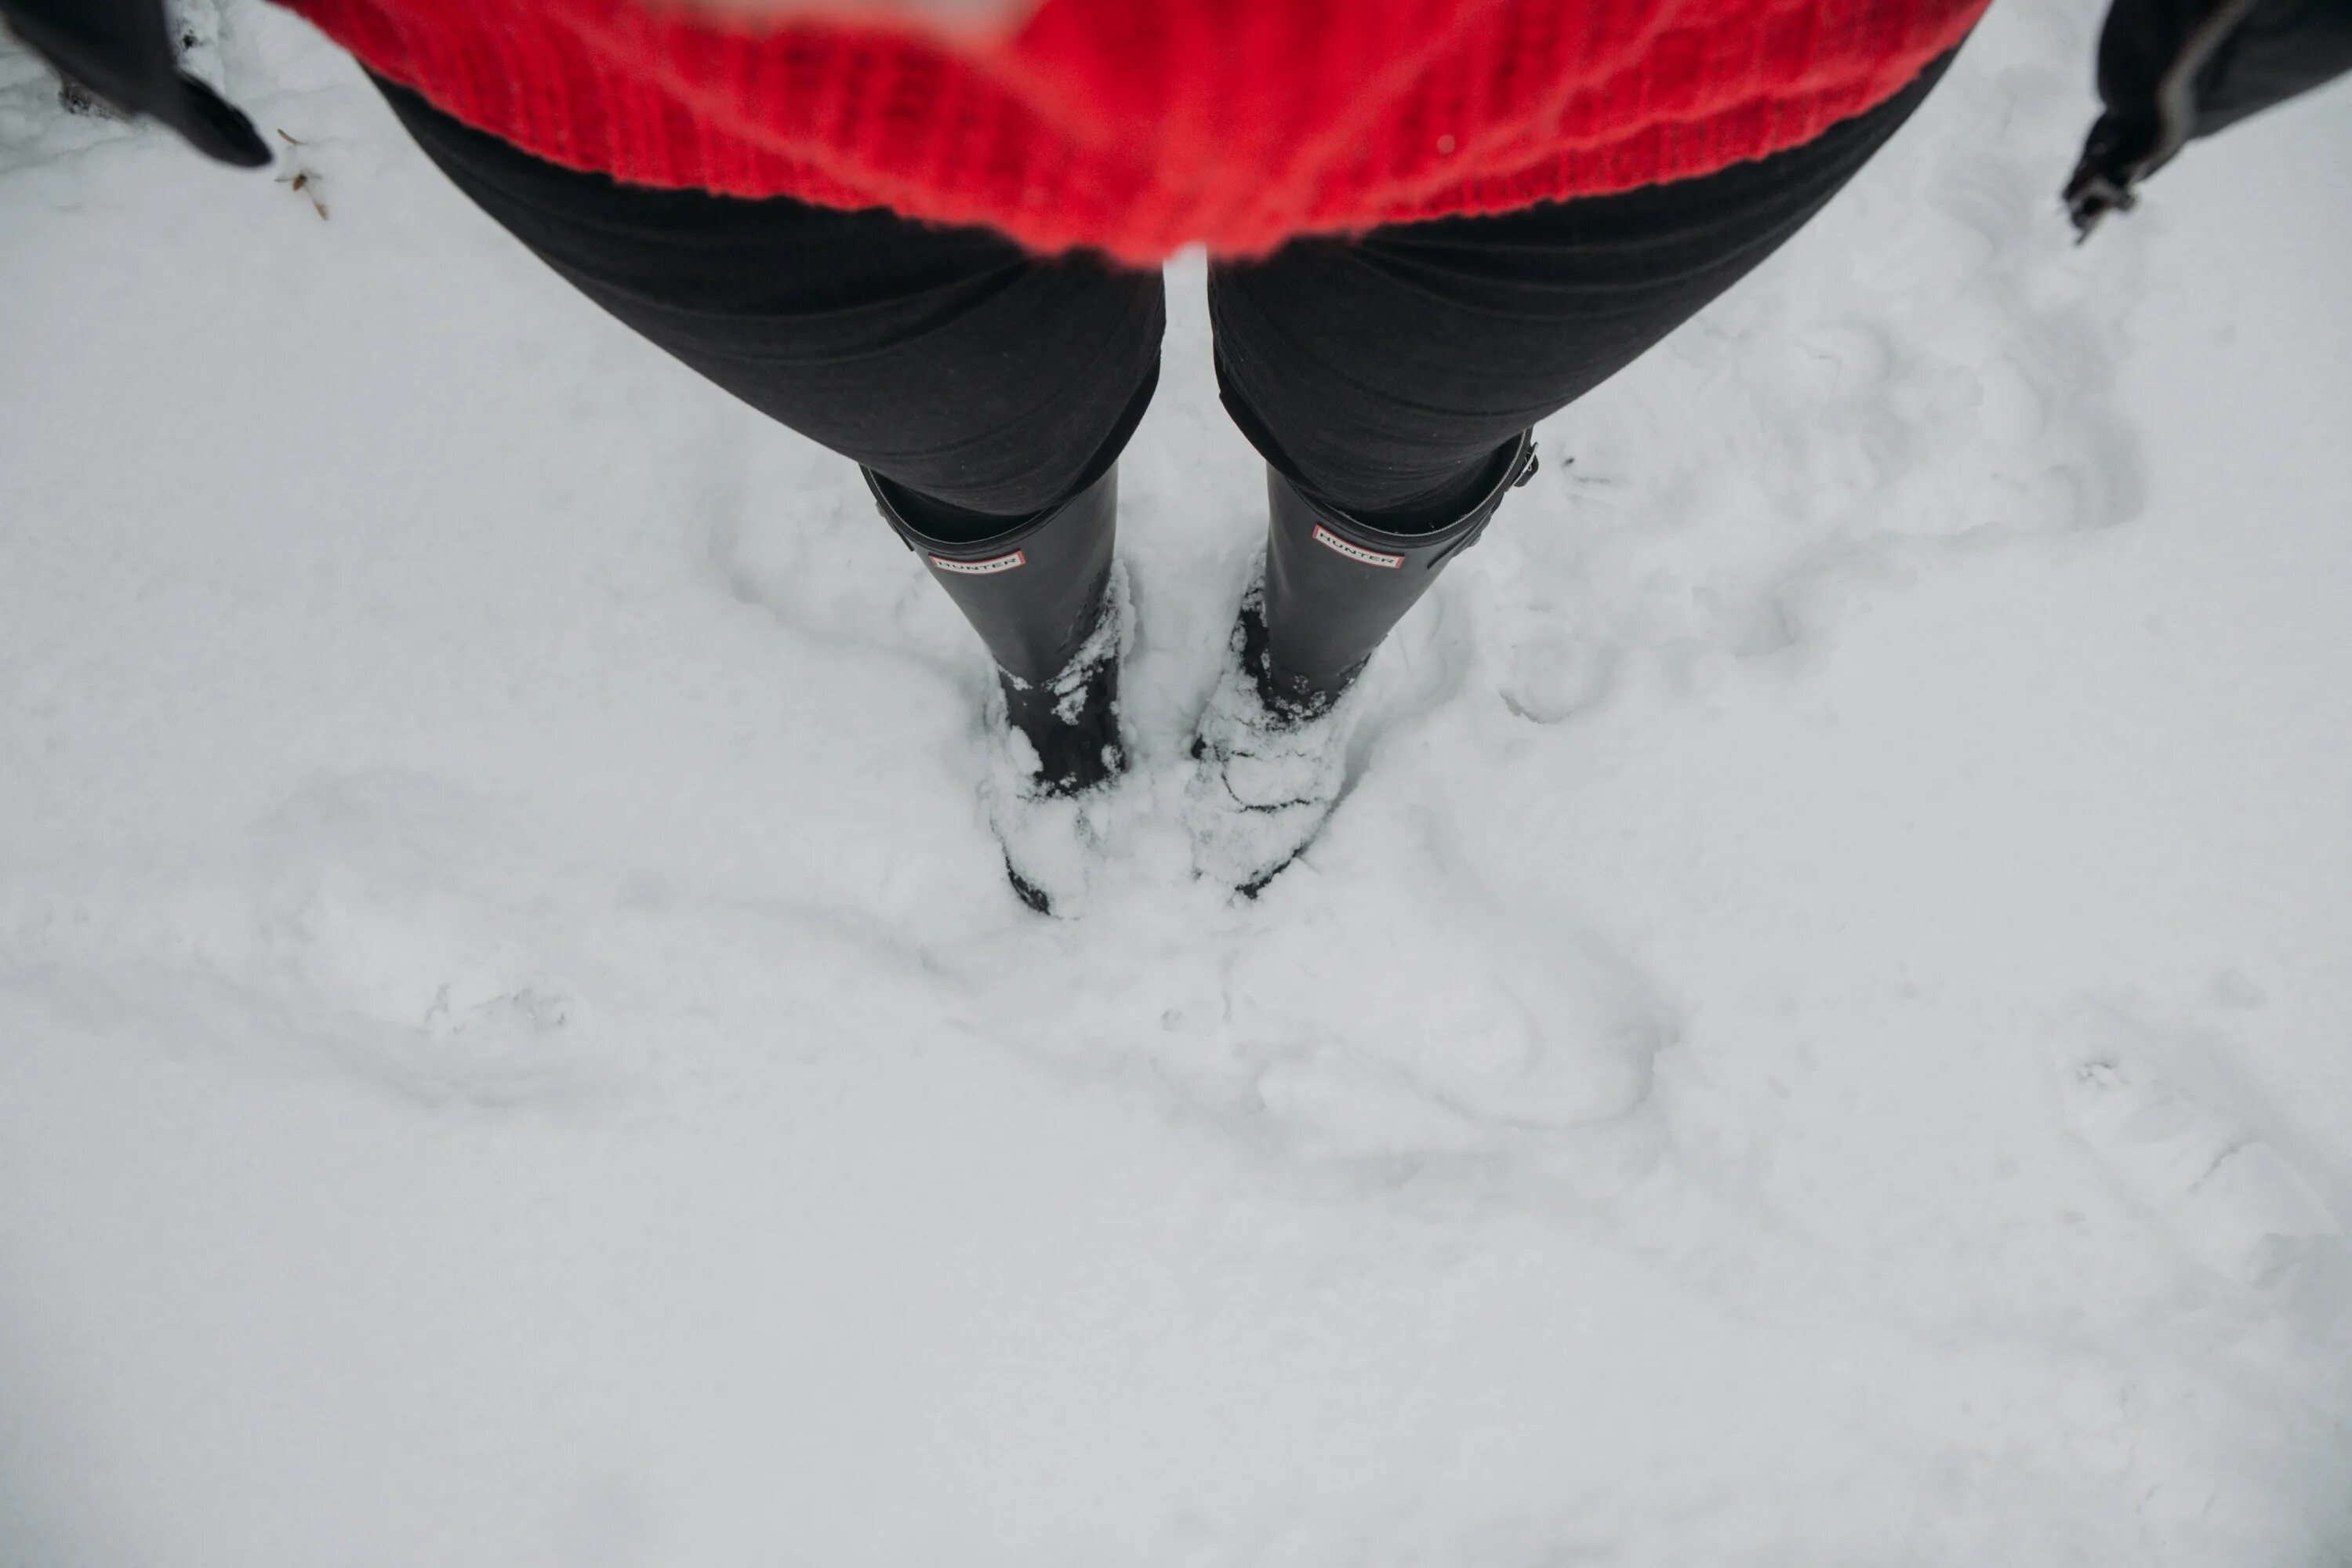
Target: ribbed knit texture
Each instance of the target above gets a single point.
(1141, 126)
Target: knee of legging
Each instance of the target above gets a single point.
(1021, 415)
(1376, 419)
(1039, 460)
(1370, 456)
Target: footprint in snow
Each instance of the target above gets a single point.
(1406, 1017)
(2189, 1147)
(386, 911)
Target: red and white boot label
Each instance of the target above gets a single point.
(982, 568)
(1355, 552)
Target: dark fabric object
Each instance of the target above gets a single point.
(2172, 70)
(2242, 56)
(1382, 373)
(2282, 50)
(1336, 584)
(946, 359)
(122, 51)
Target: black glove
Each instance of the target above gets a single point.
(2170, 71)
(122, 51)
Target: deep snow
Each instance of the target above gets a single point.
(1821, 1032)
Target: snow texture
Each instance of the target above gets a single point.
(1816, 1033)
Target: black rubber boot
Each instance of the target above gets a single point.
(1272, 744)
(1336, 584)
(1037, 593)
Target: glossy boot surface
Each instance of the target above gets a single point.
(1336, 584)
(1270, 753)
(1038, 595)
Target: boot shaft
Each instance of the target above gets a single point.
(1035, 592)
(1336, 584)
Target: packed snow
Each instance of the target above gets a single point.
(1820, 1031)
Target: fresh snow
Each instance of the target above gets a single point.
(1820, 1031)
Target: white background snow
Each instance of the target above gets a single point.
(1821, 1033)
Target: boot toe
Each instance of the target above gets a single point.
(1262, 785)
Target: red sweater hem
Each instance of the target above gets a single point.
(1139, 126)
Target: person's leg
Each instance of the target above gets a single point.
(1382, 373)
(986, 391)
(1390, 382)
(949, 361)
(1384, 378)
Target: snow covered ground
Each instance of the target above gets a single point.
(1821, 1033)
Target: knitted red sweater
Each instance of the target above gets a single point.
(1140, 126)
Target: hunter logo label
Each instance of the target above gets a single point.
(1356, 552)
(982, 568)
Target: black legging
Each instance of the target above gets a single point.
(1381, 373)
